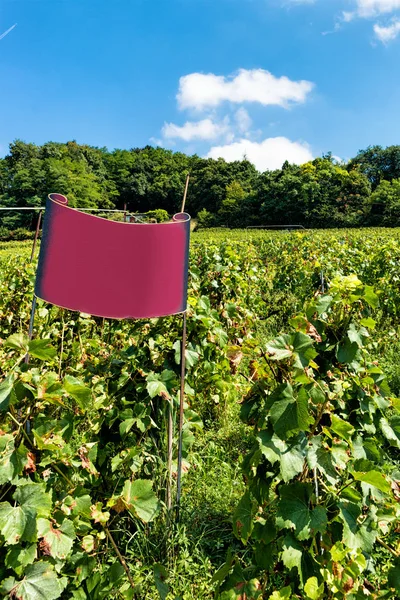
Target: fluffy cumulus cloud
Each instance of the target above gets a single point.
(196, 130)
(268, 154)
(368, 9)
(202, 91)
(389, 33)
(372, 8)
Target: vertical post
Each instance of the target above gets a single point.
(169, 456)
(185, 194)
(181, 401)
(32, 319)
(36, 235)
(125, 212)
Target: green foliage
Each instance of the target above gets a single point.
(205, 219)
(39, 583)
(378, 163)
(159, 215)
(83, 452)
(320, 193)
(325, 406)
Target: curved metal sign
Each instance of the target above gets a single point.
(111, 269)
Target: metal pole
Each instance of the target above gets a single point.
(125, 212)
(32, 319)
(185, 194)
(181, 401)
(169, 456)
(36, 235)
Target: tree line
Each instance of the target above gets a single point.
(365, 191)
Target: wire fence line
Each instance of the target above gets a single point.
(111, 210)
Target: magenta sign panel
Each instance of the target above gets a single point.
(111, 269)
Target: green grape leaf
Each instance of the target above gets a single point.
(39, 583)
(264, 530)
(13, 520)
(17, 341)
(264, 556)
(18, 557)
(96, 513)
(78, 391)
(12, 460)
(156, 388)
(355, 336)
(283, 594)
(290, 456)
(280, 348)
(313, 590)
(391, 430)
(370, 297)
(33, 497)
(320, 458)
(292, 462)
(303, 350)
(374, 478)
(294, 511)
(19, 522)
(290, 415)
(57, 541)
(42, 349)
(341, 428)
(7, 393)
(268, 444)
(295, 556)
(82, 505)
(292, 553)
(368, 322)
(346, 351)
(191, 357)
(140, 498)
(356, 535)
(160, 577)
(243, 517)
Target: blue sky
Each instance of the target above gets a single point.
(269, 79)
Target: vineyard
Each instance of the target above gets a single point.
(291, 486)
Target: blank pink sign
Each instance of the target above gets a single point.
(111, 269)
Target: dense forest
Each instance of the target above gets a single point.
(321, 193)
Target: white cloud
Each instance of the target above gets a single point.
(243, 120)
(196, 130)
(348, 16)
(372, 8)
(157, 142)
(389, 33)
(271, 153)
(200, 91)
(364, 8)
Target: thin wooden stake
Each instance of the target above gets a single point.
(181, 402)
(185, 194)
(36, 235)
